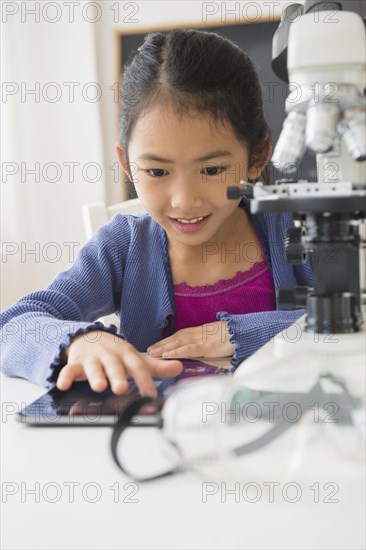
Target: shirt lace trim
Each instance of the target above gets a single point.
(223, 285)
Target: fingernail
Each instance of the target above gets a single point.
(155, 351)
(166, 354)
(119, 382)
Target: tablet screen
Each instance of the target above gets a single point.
(80, 405)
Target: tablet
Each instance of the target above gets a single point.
(80, 405)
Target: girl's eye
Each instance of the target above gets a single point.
(214, 170)
(211, 171)
(158, 175)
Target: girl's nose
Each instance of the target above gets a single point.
(186, 196)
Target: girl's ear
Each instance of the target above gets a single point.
(122, 161)
(259, 165)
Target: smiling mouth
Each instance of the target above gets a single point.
(191, 220)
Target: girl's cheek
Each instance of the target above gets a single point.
(153, 202)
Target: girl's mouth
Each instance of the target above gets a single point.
(190, 225)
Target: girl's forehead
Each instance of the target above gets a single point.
(159, 123)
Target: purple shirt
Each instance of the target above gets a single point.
(247, 292)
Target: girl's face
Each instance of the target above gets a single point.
(181, 168)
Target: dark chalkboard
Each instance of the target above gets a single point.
(256, 40)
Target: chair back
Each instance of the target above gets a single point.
(96, 214)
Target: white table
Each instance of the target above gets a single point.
(169, 513)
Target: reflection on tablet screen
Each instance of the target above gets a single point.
(80, 405)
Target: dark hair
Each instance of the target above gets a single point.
(198, 71)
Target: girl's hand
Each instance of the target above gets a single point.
(101, 357)
(209, 340)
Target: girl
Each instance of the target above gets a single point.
(196, 276)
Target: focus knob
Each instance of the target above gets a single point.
(295, 251)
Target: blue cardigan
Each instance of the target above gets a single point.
(125, 269)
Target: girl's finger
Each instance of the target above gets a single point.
(158, 345)
(116, 374)
(165, 369)
(172, 345)
(171, 339)
(95, 374)
(137, 367)
(69, 373)
(157, 351)
(190, 350)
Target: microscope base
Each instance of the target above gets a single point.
(302, 356)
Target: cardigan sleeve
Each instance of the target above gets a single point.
(36, 329)
(250, 331)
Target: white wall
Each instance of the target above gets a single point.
(76, 47)
(37, 130)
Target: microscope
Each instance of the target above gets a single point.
(320, 50)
